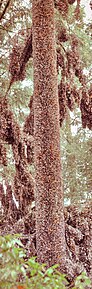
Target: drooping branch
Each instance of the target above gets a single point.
(19, 57)
(68, 63)
(1, 3)
(10, 133)
(18, 60)
(3, 157)
(62, 6)
(29, 122)
(86, 109)
(5, 9)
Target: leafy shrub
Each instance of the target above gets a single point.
(16, 272)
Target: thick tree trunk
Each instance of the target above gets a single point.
(50, 229)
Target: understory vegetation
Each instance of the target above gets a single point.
(19, 272)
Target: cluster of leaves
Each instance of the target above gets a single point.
(16, 272)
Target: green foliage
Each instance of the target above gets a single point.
(76, 158)
(82, 281)
(11, 260)
(16, 272)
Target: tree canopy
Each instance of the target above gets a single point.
(73, 36)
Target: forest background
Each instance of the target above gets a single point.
(73, 36)
(75, 134)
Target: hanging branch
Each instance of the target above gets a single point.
(18, 59)
(4, 11)
(1, 3)
(10, 133)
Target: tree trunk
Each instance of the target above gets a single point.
(50, 228)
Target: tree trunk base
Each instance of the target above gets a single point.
(78, 235)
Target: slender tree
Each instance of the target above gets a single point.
(50, 230)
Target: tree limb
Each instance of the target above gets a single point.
(4, 11)
(1, 3)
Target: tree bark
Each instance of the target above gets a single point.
(50, 228)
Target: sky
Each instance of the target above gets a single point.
(88, 11)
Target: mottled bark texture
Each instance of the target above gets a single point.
(50, 231)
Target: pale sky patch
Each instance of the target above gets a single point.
(88, 11)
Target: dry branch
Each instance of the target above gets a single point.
(5, 9)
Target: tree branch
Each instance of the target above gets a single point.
(4, 11)
(1, 3)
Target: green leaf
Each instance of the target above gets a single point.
(49, 271)
(13, 274)
(18, 242)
